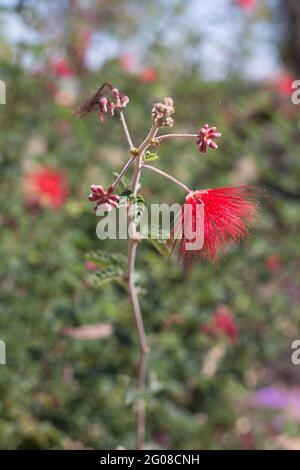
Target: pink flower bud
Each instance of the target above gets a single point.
(115, 92)
(103, 103)
(97, 189)
(100, 115)
(111, 106)
(93, 197)
(112, 202)
(212, 144)
(124, 101)
(206, 138)
(114, 197)
(103, 198)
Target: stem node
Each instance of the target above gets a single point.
(134, 151)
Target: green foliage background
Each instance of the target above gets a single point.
(59, 392)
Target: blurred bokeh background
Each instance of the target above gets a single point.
(220, 373)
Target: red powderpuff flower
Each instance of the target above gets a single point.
(148, 75)
(246, 4)
(206, 138)
(223, 323)
(102, 197)
(284, 84)
(226, 216)
(46, 187)
(62, 68)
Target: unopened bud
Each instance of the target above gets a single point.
(162, 112)
(115, 92)
(103, 103)
(124, 101)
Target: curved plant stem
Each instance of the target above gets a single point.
(166, 175)
(160, 138)
(144, 350)
(139, 160)
(147, 142)
(132, 248)
(126, 131)
(122, 172)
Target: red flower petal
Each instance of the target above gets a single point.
(228, 215)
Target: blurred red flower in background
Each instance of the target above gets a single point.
(62, 68)
(46, 188)
(284, 84)
(127, 62)
(91, 266)
(222, 323)
(148, 75)
(273, 263)
(246, 4)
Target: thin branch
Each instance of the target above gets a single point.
(147, 142)
(126, 131)
(141, 408)
(134, 298)
(169, 177)
(160, 138)
(131, 148)
(144, 349)
(122, 172)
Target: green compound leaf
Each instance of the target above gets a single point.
(150, 156)
(104, 259)
(159, 245)
(110, 274)
(124, 183)
(157, 237)
(136, 208)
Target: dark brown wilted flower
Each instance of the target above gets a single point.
(102, 104)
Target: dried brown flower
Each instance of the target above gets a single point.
(162, 112)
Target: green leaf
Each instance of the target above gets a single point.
(124, 183)
(110, 274)
(150, 156)
(104, 259)
(160, 246)
(136, 208)
(157, 237)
